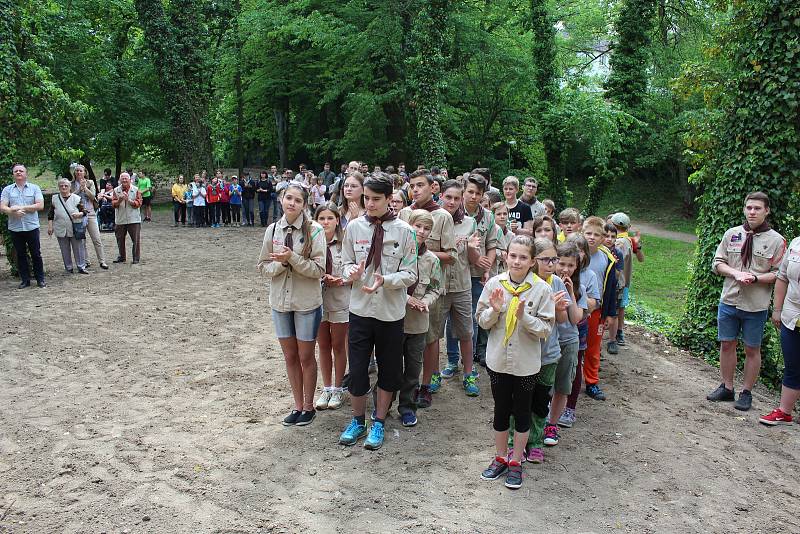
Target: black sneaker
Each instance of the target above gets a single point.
(495, 469)
(306, 417)
(745, 401)
(721, 394)
(594, 391)
(292, 418)
(514, 476)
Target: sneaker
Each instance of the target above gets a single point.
(620, 337)
(323, 400)
(567, 418)
(337, 399)
(375, 438)
(424, 399)
(551, 435)
(353, 433)
(534, 455)
(745, 401)
(721, 394)
(306, 417)
(496, 469)
(449, 370)
(514, 475)
(408, 418)
(612, 347)
(594, 391)
(292, 418)
(475, 373)
(436, 383)
(776, 417)
(470, 387)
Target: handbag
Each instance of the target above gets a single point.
(78, 228)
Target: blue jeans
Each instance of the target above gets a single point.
(263, 210)
(277, 209)
(249, 212)
(453, 352)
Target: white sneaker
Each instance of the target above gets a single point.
(323, 402)
(337, 399)
(567, 418)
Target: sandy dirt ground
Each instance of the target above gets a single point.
(148, 399)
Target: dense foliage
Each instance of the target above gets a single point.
(755, 146)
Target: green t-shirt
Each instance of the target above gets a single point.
(142, 184)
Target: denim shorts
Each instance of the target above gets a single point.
(732, 321)
(302, 325)
(625, 298)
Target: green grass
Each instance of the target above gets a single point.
(652, 202)
(659, 284)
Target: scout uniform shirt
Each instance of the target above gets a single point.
(442, 237)
(398, 268)
(488, 231)
(336, 298)
(522, 355)
(457, 275)
(768, 249)
(789, 272)
(503, 241)
(428, 289)
(294, 286)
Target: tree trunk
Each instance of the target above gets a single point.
(117, 157)
(282, 126)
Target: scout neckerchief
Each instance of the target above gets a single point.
(376, 247)
(430, 206)
(747, 247)
(511, 314)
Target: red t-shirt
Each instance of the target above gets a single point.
(213, 193)
(225, 195)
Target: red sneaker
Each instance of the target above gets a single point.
(776, 417)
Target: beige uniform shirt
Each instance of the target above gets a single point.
(335, 298)
(502, 242)
(789, 272)
(294, 286)
(488, 231)
(523, 354)
(458, 274)
(442, 237)
(768, 249)
(398, 268)
(428, 290)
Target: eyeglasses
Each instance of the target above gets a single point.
(551, 260)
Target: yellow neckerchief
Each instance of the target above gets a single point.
(511, 313)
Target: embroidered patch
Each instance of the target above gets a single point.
(362, 241)
(735, 238)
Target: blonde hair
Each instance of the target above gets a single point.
(422, 216)
(596, 222)
(511, 180)
(498, 205)
(540, 244)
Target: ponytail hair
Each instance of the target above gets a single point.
(570, 250)
(307, 223)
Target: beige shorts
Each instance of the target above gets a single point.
(338, 316)
(459, 306)
(434, 321)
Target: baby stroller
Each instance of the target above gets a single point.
(106, 216)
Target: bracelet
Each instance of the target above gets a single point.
(755, 279)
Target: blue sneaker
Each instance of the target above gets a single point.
(436, 383)
(450, 370)
(475, 373)
(353, 433)
(408, 418)
(470, 387)
(375, 437)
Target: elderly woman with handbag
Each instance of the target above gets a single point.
(66, 221)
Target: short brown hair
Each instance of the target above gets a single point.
(569, 215)
(595, 221)
(759, 196)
